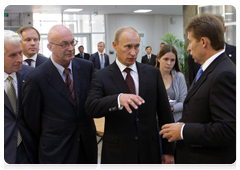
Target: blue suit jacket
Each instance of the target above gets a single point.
(63, 130)
(13, 122)
(96, 62)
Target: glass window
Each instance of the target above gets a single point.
(77, 23)
(213, 9)
(231, 35)
(12, 20)
(230, 13)
(96, 38)
(98, 23)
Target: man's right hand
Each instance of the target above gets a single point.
(130, 99)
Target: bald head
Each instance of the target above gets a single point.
(57, 31)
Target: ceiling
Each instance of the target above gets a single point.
(101, 9)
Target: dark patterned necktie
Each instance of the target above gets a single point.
(129, 81)
(29, 61)
(69, 84)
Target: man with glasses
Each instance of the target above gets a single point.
(54, 98)
(30, 44)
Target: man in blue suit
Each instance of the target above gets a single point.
(100, 59)
(17, 137)
(54, 98)
(30, 44)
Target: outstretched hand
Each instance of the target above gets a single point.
(130, 99)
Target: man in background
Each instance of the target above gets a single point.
(30, 44)
(100, 59)
(54, 98)
(206, 133)
(17, 138)
(149, 58)
(193, 67)
(129, 95)
(81, 53)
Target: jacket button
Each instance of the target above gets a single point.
(78, 139)
(136, 137)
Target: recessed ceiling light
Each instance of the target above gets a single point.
(142, 11)
(229, 13)
(72, 10)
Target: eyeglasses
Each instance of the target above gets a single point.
(66, 45)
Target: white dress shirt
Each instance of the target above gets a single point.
(33, 62)
(14, 82)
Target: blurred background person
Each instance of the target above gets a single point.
(30, 44)
(149, 58)
(81, 53)
(17, 137)
(174, 81)
(100, 59)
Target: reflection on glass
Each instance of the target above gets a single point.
(231, 35)
(98, 23)
(213, 9)
(230, 13)
(77, 23)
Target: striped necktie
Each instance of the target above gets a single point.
(69, 84)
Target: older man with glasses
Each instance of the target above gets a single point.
(54, 98)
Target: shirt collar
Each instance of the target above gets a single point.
(34, 58)
(13, 75)
(211, 59)
(122, 67)
(61, 68)
(99, 53)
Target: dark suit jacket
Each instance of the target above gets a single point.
(13, 122)
(194, 67)
(210, 115)
(152, 62)
(96, 61)
(40, 59)
(86, 56)
(63, 130)
(130, 138)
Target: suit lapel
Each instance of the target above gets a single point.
(77, 77)
(142, 79)
(195, 86)
(118, 79)
(56, 81)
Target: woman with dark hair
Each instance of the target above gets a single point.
(174, 81)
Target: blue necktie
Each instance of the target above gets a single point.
(199, 73)
(102, 62)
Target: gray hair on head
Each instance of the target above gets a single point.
(11, 37)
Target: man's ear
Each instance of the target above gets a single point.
(205, 41)
(114, 44)
(49, 46)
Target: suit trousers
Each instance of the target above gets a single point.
(22, 157)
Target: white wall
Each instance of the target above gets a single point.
(153, 27)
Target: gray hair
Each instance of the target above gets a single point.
(11, 37)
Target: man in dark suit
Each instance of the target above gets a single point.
(54, 98)
(17, 137)
(208, 124)
(81, 53)
(30, 44)
(130, 107)
(100, 59)
(149, 58)
(193, 67)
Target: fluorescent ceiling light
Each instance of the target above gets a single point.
(142, 11)
(72, 10)
(229, 13)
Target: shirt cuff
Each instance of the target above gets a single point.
(182, 131)
(119, 106)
